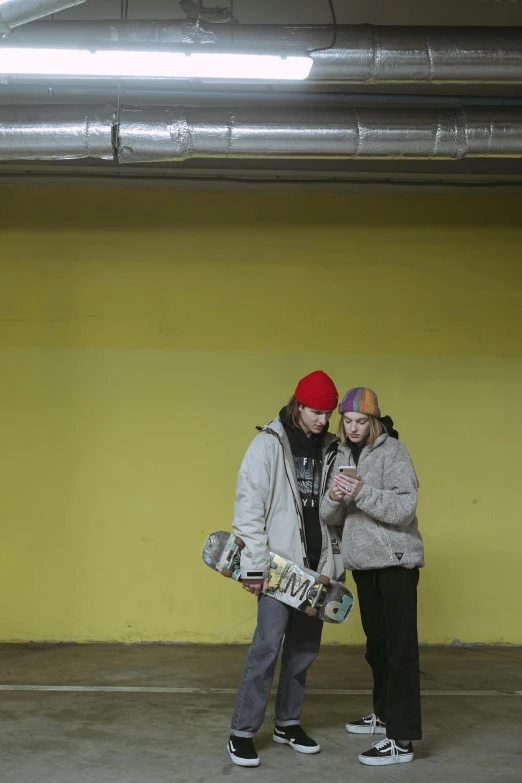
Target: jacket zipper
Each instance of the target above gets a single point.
(302, 532)
(330, 459)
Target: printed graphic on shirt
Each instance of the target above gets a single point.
(308, 473)
(399, 556)
(336, 547)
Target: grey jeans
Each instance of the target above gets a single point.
(302, 639)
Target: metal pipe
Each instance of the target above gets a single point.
(178, 134)
(363, 54)
(17, 12)
(56, 133)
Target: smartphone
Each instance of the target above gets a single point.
(348, 470)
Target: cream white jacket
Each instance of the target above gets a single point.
(268, 513)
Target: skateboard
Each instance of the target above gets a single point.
(294, 585)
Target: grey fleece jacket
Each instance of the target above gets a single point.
(379, 527)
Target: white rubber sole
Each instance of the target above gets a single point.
(242, 762)
(365, 729)
(386, 762)
(298, 748)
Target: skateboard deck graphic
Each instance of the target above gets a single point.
(289, 583)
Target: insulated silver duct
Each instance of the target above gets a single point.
(175, 134)
(56, 133)
(363, 54)
(17, 12)
(178, 134)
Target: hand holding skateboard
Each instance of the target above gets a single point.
(255, 586)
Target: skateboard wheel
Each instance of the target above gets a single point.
(324, 580)
(239, 542)
(227, 571)
(311, 611)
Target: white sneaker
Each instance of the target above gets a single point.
(368, 725)
(386, 752)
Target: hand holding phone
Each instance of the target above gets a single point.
(347, 482)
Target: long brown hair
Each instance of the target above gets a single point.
(292, 410)
(376, 430)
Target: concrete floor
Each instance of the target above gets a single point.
(131, 737)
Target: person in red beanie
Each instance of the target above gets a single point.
(277, 508)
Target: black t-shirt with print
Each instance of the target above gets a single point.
(308, 462)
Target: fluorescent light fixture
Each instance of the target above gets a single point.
(116, 64)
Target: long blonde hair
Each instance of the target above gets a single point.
(376, 430)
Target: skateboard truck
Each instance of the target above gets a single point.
(239, 544)
(324, 581)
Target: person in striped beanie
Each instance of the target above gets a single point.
(371, 493)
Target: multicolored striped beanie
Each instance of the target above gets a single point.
(360, 400)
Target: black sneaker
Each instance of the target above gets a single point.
(242, 752)
(296, 738)
(368, 725)
(386, 752)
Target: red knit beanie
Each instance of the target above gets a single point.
(317, 391)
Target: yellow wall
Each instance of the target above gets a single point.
(143, 335)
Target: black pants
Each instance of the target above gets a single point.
(388, 604)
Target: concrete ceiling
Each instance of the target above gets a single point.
(398, 12)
